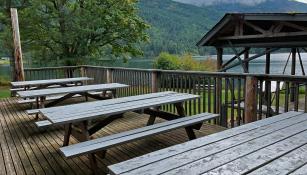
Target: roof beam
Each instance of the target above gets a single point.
(249, 59)
(295, 26)
(255, 27)
(284, 34)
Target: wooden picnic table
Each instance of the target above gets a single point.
(69, 92)
(107, 111)
(40, 84)
(276, 145)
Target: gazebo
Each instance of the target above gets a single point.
(240, 32)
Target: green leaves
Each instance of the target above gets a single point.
(82, 28)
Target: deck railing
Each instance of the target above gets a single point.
(239, 98)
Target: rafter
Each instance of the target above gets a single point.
(284, 34)
(295, 26)
(255, 27)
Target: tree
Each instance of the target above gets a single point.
(78, 29)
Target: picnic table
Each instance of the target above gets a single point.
(40, 84)
(112, 109)
(69, 92)
(276, 145)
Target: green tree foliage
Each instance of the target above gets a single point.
(74, 30)
(168, 61)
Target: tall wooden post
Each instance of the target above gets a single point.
(218, 89)
(267, 71)
(246, 56)
(18, 69)
(293, 65)
(250, 111)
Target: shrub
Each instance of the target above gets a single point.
(167, 61)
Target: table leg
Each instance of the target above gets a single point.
(152, 118)
(37, 107)
(181, 113)
(114, 93)
(68, 129)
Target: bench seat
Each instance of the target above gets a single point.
(50, 98)
(43, 124)
(101, 144)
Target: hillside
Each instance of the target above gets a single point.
(176, 27)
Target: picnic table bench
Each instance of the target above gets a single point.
(40, 84)
(75, 116)
(276, 145)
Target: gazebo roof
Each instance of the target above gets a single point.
(264, 30)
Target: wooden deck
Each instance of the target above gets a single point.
(24, 149)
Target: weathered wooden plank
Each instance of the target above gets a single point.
(106, 142)
(300, 171)
(236, 136)
(50, 98)
(95, 104)
(50, 81)
(48, 145)
(207, 158)
(74, 89)
(60, 119)
(285, 164)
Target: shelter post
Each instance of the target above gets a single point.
(218, 89)
(293, 65)
(246, 56)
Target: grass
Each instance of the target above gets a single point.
(4, 92)
(4, 62)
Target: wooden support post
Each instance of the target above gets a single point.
(18, 69)
(109, 75)
(154, 81)
(267, 71)
(250, 99)
(293, 65)
(246, 56)
(219, 81)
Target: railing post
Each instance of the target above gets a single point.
(250, 99)
(154, 81)
(83, 71)
(109, 75)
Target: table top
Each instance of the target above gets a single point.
(67, 90)
(48, 82)
(276, 145)
(91, 110)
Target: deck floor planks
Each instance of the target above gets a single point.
(24, 149)
(55, 144)
(50, 165)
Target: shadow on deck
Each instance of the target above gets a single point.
(24, 149)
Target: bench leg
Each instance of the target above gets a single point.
(67, 134)
(93, 163)
(181, 113)
(151, 120)
(190, 133)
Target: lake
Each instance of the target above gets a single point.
(278, 62)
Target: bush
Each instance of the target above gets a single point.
(167, 61)
(186, 62)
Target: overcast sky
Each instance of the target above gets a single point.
(210, 2)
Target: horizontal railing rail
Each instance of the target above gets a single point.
(238, 97)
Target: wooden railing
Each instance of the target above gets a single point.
(239, 98)
(52, 72)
